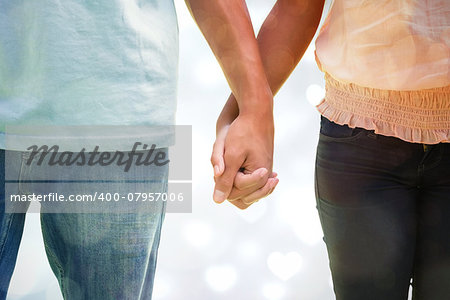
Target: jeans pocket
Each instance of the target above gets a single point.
(331, 131)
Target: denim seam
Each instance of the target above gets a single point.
(157, 236)
(348, 207)
(23, 173)
(422, 168)
(7, 234)
(436, 163)
(157, 239)
(60, 269)
(2, 249)
(319, 208)
(342, 139)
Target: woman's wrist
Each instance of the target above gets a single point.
(257, 103)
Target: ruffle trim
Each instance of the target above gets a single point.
(421, 116)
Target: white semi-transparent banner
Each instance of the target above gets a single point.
(98, 169)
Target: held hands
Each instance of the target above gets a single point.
(242, 156)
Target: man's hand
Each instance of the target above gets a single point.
(242, 155)
(253, 68)
(248, 188)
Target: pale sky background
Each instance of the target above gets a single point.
(274, 250)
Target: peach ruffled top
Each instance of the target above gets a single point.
(387, 66)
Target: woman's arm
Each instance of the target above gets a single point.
(283, 39)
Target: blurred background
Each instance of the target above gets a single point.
(273, 250)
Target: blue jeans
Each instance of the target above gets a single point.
(109, 255)
(384, 205)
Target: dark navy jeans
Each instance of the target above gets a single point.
(384, 205)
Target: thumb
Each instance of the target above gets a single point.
(217, 160)
(224, 183)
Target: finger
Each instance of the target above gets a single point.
(217, 157)
(239, 204)
(244, 181)
(271, 191)
(262, 192)
(224, 183)
(239, 192)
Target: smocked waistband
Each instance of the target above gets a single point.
(421, 116)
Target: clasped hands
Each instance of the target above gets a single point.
(242, 155)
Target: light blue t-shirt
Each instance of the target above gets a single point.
(87, 62)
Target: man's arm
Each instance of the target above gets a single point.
(229, 32)
(282, 40)
(227, 27)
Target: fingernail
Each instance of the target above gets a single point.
(218, 196)
(274, 183)
(263, 172)
(216, 170)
